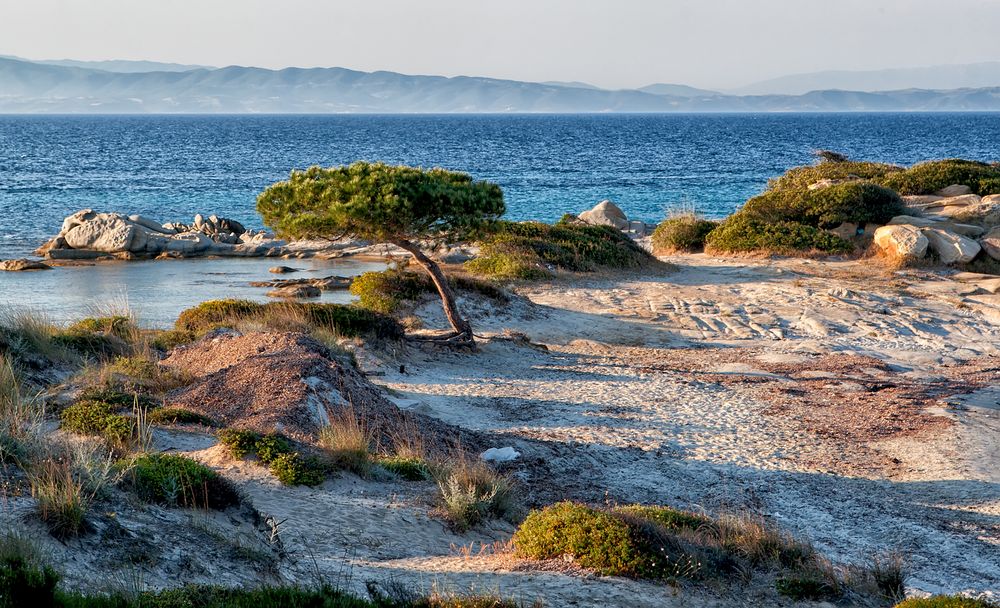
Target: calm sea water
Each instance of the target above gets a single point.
(171, 167)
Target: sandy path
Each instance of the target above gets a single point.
(585, 412)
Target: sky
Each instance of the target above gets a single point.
(721, 44)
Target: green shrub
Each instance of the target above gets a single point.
(345, 320)
(293, 469)
(946, 601)
(410, 469)
(176, 415)
(990, 185)
(528, 249)
(119, 326)
(855, 202)
(24, 579)
(384, 291)
(175, 480)
(278, 454)
(799, 178)
(240, 443)
(98, 418)
(141, 375)
(596, 539)
(684, 233)
(740, 233)
(671, 519)
(929, 177)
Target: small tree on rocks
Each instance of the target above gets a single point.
(403, 206)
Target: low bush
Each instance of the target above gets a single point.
(685, 233)
(800, 178)
(740, 233)
(946, 601)
(384, 292)
(141, 375)
(929, 177)
(179, 481)
(101, 419)
(278, 453)
(99, 346)
(408, 468)
(527, 250)
(660, 542)
(855, 202)
(471, 492)
(176, 415)
(120, 326)
(344, 320)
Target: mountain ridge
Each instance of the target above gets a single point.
(30, 87)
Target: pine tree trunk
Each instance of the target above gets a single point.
(462, 328)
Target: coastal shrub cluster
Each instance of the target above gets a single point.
(385, 292)
(98, 418)
(662, 543)
(683, 233)
(533, 250)
(791, 217)
(278, 453)
(344, 320)
(100, 337)
(929, 177)
(178, 481)
(742, 233)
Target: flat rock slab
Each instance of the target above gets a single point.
(23, 265)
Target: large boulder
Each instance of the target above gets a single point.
(932, 222)
(951, 248)
(105, 232)
(969, 208)
(902, 241)
(605, 213)
(991, 243)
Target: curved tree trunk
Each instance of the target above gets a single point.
(463, 331)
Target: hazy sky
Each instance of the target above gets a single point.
(614, 43)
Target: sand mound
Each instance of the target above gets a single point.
(288, 383)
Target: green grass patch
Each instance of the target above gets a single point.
(344, 320)
(172, 338)
(806, 587)
(685, 233)
(179, 481)
(741, 234)
(530, 250)
(278, 453)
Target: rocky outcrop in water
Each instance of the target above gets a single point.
(88, 233)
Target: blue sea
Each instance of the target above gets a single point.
(171, 167)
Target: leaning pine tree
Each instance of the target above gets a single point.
(403, 206)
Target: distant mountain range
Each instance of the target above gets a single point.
(148, 87)
(942, 77)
